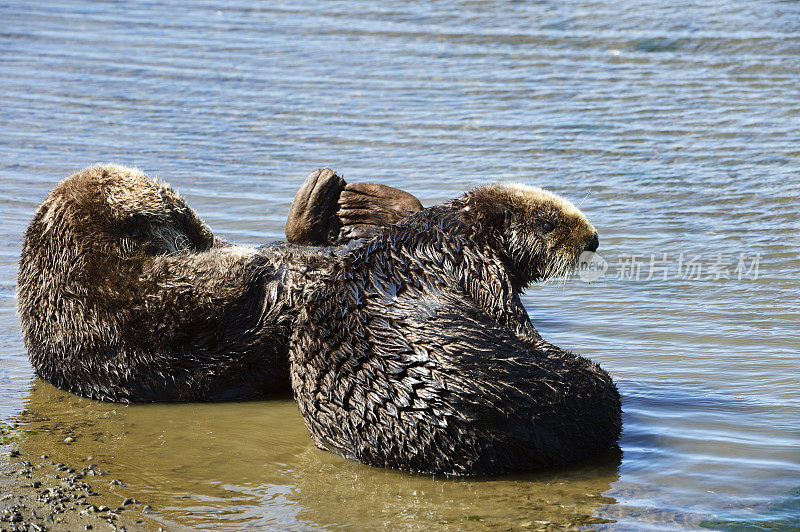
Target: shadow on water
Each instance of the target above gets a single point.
(226, 465)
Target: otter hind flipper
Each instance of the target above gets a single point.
(327, 210)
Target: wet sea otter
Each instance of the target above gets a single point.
(125, 294)
(417, 354)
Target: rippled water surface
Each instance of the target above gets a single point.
(675, 125)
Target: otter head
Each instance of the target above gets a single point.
(152, 216)
(123, 209)
(541, 235)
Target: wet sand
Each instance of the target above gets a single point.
(39, 493)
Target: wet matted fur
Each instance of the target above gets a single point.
(417, 353)
(125, 295)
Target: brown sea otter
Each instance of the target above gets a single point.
(417, 354)
(125, 294)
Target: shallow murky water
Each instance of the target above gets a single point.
(677, 127)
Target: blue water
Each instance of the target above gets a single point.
(676, 126)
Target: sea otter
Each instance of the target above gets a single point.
(126, 295)
(417, 354)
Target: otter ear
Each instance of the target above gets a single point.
(507, 217)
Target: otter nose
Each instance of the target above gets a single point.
(593, 243)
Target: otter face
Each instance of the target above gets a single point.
(543, 234)
(166, 226)
(144, 214)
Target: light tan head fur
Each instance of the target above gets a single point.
(544, 234)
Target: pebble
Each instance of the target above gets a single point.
(69, 439)
(53, 498)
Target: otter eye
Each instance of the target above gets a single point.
(507, 219)
(547, 227)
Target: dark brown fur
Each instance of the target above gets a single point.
(125, 295)
(417, 353)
